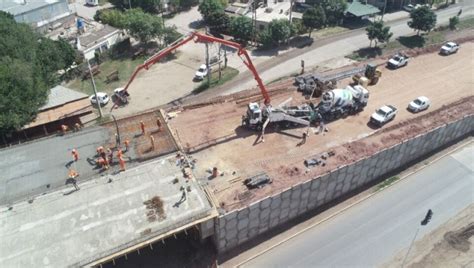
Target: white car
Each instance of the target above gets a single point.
(449, 48)
(383, 115)
(397, 61)
(201, 72)
(102, 96)
(419, 104)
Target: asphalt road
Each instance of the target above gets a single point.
(371, 232)
(34, 168)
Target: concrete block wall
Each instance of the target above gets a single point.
(238, 226)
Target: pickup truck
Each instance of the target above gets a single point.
(397, 61)
(449, 48)
(383, 115)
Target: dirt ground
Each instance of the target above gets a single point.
(214, 134)
(449, 245)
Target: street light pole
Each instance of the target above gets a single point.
(95, 89)
(117, 128)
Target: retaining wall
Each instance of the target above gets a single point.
(238, 226)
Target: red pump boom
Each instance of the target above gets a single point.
(198, 37)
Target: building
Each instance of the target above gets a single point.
(98, 38)
(360, 10)
(42, 15)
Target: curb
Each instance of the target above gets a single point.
(402, 178)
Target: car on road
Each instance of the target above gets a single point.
(397, 61)
(102, 96)
(419, 104)
(449, 48)
(383, 115)
(201, 72)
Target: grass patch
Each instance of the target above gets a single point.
(466, 23)
(125, 67)
(103, 2)
(227, 74)
(387, 182)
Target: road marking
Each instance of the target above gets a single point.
(462, 145)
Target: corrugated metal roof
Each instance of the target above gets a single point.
(60, 95)
(96, 36)
(16, 7)
(359, 9)
(80, 107)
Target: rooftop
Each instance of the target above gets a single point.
(60, 95)
(17, 7)
(359, 9)
(73, 228)
(92, 37)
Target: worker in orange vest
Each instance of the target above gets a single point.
(100, 150)
(119, 153)
(72, 177)
(64, 129)
(75, 155)
(142, 127)
(126, 143)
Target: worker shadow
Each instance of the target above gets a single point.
(69, 164)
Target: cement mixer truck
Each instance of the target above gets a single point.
(339, 103)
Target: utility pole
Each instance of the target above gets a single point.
(384, 7)
(95, 89)
(129, 5)
(207, 62)
(291, 10)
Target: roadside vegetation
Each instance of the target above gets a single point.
(387, 183)
(227, 74)
(431, 36)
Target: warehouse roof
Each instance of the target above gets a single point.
(16, 7)
(60, 95)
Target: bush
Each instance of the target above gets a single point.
(453, 22)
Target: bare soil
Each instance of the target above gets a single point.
(213, 135)
(449, 245)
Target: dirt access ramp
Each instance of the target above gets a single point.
(213, 135)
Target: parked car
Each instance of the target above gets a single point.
(201, 72)
(397, 61)
(449, 48)
(419, 104)
(383, 115)
(102, 96)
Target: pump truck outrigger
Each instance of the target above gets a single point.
(257, 117)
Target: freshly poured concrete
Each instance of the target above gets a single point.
(73, 228)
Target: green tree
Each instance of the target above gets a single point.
(28, 68)
(112, 17)
(151, 6)
(218, 21)
(280, 30)
(265, 38)
(333, 9)
(453, 22)
(170, 34)
(314, 18)
(379, 32)
(422, 19)
(143, 26)
(208, 7)
(241, 28)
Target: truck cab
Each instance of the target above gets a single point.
(253, 117)
(383, 115)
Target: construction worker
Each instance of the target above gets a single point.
(303, 141)
(100, 150)
(111, 155)
(77, 126)
(75, 155)
(119, 153)
(158, 123)
(72, 177)
(142, 127)
(152, 140)
(126, 143)
(122, 164)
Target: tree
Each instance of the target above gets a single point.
(379, 32)
(28, 66)
(208, 7)
(241, 28)
(218, 21)
(152, 6)
(170, 34)
(279, 30)
(333, 9)
(314, 18)
(143, 26)
(112, 17)
(453, 22)
(422, 19)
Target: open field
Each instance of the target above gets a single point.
(230, 148)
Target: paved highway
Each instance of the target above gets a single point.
(371, 232)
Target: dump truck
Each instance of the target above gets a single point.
(342, 102)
